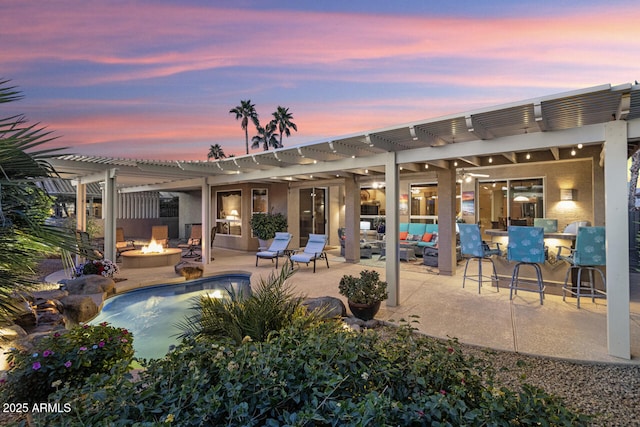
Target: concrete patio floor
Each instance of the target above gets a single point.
(556, 329)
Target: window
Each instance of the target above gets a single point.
(229, 212)
(510, 202)
(259, 200)
(424, 203)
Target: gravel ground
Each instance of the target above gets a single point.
(610, 392)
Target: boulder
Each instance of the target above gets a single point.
(333, 307)
(90, 284)
(189, 270)
(79, 308)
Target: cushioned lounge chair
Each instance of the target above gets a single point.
(277, 249)
(86, 248)
(313, 251)
(194, 241)
(122, 244)
(160, 233)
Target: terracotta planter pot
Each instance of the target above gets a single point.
(364, 311)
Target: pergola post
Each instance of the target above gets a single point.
(617, 247)
(109, 213)
(205, 241)
(392, 228)
(352, 219)
(446, 222)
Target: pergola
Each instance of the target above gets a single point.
(545, 128)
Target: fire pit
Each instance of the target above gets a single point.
(153, 255)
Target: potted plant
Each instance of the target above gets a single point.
(364, 294)
(265, 226)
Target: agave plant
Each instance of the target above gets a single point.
(24, 237)
(271, 307)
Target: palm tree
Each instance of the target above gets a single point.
(282, 119)
(216, 152)
(266, 136)
(245, 111)
(24, 237)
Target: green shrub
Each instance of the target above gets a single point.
(270, 307)
(67, 358)
(317, 375)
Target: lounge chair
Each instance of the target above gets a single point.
(122, 244)
(160, 233)
(86, 248)
(313, 251)
(277, 249)
(193, 243)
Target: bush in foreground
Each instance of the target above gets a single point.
(67, 358)
(321, 375)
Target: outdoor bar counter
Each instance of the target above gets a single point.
(553, 270)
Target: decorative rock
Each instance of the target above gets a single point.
(12, 332)
(79, 308)
(27, 317)
(48, 295)
(371, 324)
(189, 270)
(334, 307)
(90, 284)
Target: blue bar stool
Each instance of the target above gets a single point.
(588, 254)
(526, 247)
(473, 247)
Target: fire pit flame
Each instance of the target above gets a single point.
(153, 247)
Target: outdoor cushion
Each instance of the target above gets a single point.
(426, 237)
(403, 235)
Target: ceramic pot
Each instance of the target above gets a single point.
(364, 311)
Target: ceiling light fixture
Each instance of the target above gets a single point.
(573, 151)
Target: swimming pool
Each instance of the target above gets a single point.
(151, 313)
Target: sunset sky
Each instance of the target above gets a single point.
(156, 79)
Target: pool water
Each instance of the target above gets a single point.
(152, 313)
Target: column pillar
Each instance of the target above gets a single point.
(392, 227)
(352, 220)
(446, 222)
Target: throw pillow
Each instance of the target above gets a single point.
(403, 235)
(409, 237)
(416, 237)
(434, 238)
(426, 237)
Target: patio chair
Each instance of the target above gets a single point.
(160, 233)
(549, 225)
(86, 248)
(277, 248)
(213, 237)
(194, 241)
(122, 244)
(573, 227)
(473, 247)
(588, 254)
(526, 247)
(313, 251)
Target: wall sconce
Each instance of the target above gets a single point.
(567, 194)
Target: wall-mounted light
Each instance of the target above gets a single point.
(528, 156)
(573, 151)
(490, 159)
(567, 194)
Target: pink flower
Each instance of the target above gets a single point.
(85, 326)
(36, 366)
(124, 340)
(125, 332)
(101, 344)
(83, 348)
(450, 349)
(104, 324)
(443, 392)
(47, 353)
(56, 335)
(67, 364)
(3, 380)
